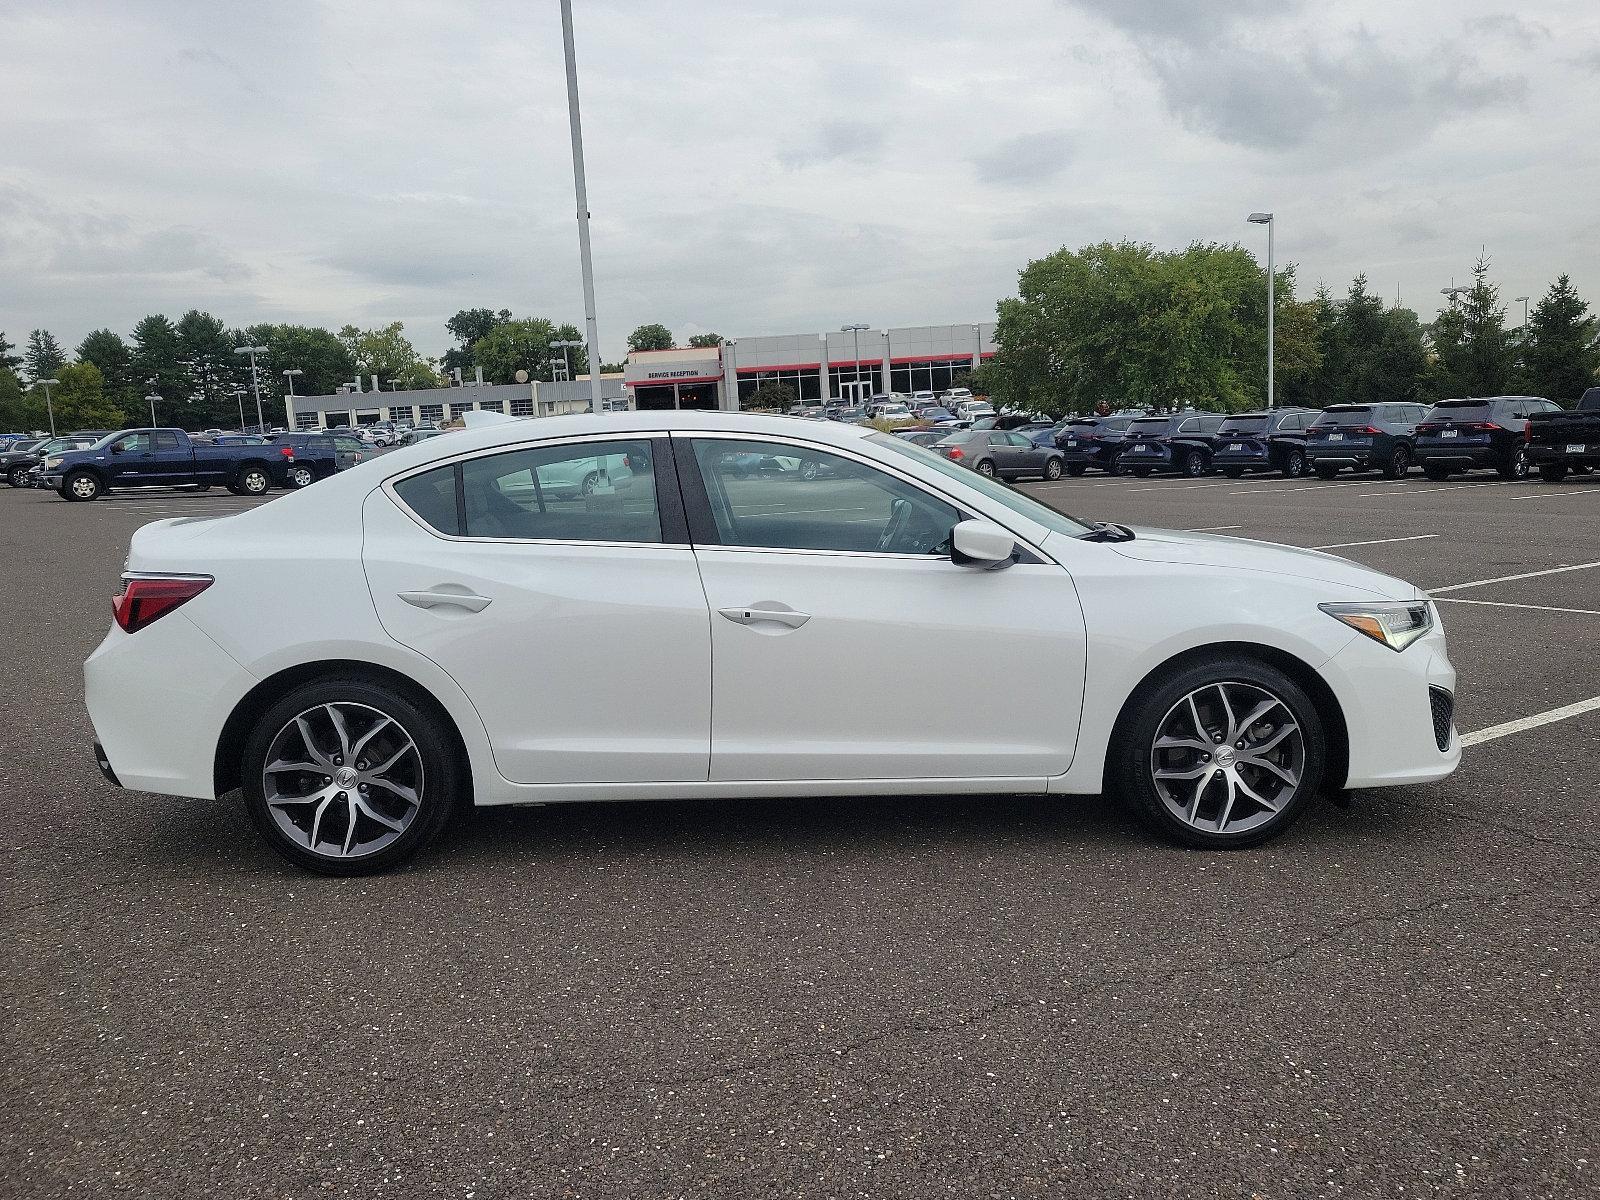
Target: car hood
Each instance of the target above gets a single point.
(1269, 558)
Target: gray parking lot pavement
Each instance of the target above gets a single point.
(935, 996)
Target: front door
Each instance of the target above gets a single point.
(568, 608)
(847, 645)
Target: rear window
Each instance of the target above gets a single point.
(1148, 425)
(1346, 416)
(1457, 410)
(1244, 425)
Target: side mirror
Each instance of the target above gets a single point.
(982, 545)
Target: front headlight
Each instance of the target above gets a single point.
(53, 461)
(1396, 625)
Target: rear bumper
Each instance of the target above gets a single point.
(1159, 459)
(1464, 456)
(1559, 454)
(1242, 458)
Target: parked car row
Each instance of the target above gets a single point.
(1511, 435)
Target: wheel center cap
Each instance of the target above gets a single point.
(1225, 756)
(345, 777)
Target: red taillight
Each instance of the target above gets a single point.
(287, 452)
(1483, 427)
(955, 452)
(1370, 430)
(143, 601)
(1429, 428)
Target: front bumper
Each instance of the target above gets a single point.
(1389, 710)
(52, 480)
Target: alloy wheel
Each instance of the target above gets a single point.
(1296, 465)
(84, 488)
(300, 477)
(343, 780)
(1227, 757)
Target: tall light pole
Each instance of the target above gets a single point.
(565, 345)
(238, 395)
(1523, 300)
(581, 188)
(855, 331)
(1258, 218)
(255, 380)
(49, 407)
(152, 398)
(1455, 293)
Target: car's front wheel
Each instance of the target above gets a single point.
(82, 485)
(17, 477)
(1220, 755)
(344, 776)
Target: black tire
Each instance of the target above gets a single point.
(300, 477)
(201, 487)
(250, 481)
(1326, 472)
(1519, 466)
(1552, 472)
(81, 486)
(1139, 472)
(1052, 468)
(1129, 766)
(15, 476)
(1437, 474)
(1116, 467)
(1076, 469)
(438, 781)
(1294, 465)
(1195, 464)
(985, 468)
(1233, 472)
(1399, 463)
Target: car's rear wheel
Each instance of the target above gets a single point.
(1220, 755)
(1399, 463)
(1294, 464)
(1519, 465)
(1052, 468)
(1326, 472)
(344, 776)
(82, 485)
(1196, 464)
(1552, 472)
(985, 468)
(252, 481)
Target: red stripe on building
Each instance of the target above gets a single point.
(669, 382)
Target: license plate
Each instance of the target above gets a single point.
(1143, 449)
(1450, 433)
(1070, 443)
(1235, 445)
(1577, 447)
(1336, 437)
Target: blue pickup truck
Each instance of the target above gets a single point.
(163, 458)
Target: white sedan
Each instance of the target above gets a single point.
(457, 621)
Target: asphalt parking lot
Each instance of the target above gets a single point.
(931, 997)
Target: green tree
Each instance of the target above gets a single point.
(80, 402)
(44, 356)
(1474, 353)
(1563, 353)
(9, 361)
(388, 354)
(772, 397)
(211, 368)
(20, 411)
(467, 327)
(107, 351)
(704, 341)
(324, 362)
(158, 368)
(651, 337)
(1372, 354)
(524, 345)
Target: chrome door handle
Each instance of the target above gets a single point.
(437, 597)
(757, 612)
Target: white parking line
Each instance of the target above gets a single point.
(1176, 487)
(1428, 489)
(1416, 537)
(1457, 587)
(1558, 493)
(1587, 612)
(1564, 713)
(1212, 528)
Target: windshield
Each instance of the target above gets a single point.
(1243, 425)
(1346, 416)
(1018, 502)
(106, 441)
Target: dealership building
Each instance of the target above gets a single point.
(844, 365)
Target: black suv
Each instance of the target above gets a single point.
(1180, 442)
(1087, 442)
(1263, 441)
(1458, 435)
(1364, 437)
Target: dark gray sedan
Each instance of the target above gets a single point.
(1002, 453)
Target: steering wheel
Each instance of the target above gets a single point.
(899, 516)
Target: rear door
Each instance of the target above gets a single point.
(846, 645)
(574, 619)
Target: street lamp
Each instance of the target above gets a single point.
(289, 375)
(255, 380)
(1259, 218)
(1455, 293)
(855, 331)
(1523, 300)
(50, 408)
(238, 395)
(152, 398)
(581, 188)
(564, 345)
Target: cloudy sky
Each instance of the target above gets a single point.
(763, 166)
